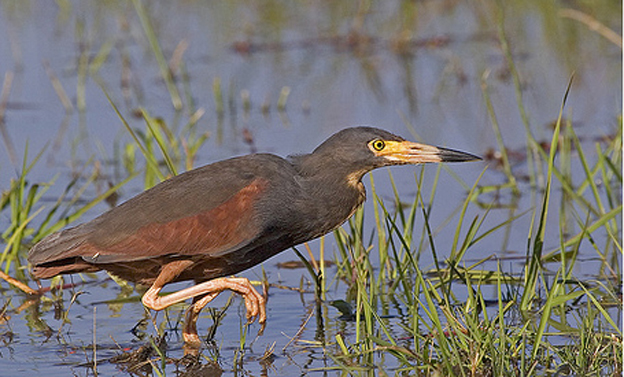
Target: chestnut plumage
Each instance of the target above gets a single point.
(217, 220)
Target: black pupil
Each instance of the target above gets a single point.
(379, 144)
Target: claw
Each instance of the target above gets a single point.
(256, 306)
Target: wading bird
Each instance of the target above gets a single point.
(217, 220)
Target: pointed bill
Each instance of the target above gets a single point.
(408, 152)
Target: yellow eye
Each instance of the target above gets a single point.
(378, 145)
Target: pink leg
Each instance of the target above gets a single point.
(255, 302)
(189, 332)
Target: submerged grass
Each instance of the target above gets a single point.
(456, 317)
(459, 317)
(544, 320)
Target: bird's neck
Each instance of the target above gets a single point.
(334, 185)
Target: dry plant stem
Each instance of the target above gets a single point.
(176, 58)
(58, 88)
(312, 259)
(6, 90)
(18, 284)
(94, 342)
(301, 328)
(4, 99)
(593, 24)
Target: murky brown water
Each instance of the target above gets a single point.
(414, 68)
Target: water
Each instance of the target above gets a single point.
(430, 92)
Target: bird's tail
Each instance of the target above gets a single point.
(49, 256)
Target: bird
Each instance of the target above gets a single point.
(210, 223)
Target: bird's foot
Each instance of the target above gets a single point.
(255, 304)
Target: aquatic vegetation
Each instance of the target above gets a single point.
(510, 268)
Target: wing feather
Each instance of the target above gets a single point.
(231, 225)
(207, 210)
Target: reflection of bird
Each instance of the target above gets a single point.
(223, 218)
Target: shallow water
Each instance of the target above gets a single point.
(343, 66)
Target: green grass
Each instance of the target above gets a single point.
(542, 320)
(517, 335)
(456, 316)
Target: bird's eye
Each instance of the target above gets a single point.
(378, 144)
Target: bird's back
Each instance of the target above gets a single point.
(207, 211)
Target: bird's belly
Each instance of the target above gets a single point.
(287, 229)
(233, 262)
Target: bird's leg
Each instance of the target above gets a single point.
(189, 332)
(255, 302)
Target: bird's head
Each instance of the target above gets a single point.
(361, 149)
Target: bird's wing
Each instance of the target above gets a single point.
(230, 224)
(204, 211)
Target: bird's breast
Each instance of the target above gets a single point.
(334, 207)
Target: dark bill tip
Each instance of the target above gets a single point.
(450, 155)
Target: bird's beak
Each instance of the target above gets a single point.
(407, 152)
